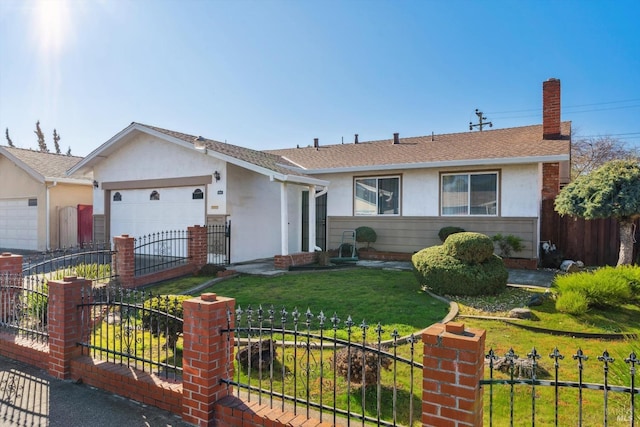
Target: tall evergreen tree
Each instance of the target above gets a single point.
(9, 141)
(56, 141)
(42, 146)
(69, 152)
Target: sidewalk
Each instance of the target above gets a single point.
(30, 397)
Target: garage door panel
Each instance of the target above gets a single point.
(18, 224)
(137, 215)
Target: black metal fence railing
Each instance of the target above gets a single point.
(516, 371)
(160, 251)
(91, 261)
(23, 306)
(325, 367)
(133, 328)
(219, 243)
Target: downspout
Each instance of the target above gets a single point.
(47, 227)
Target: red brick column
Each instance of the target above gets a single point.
(198, 247)
(125, 262)
(207, 356)
(453, 368)
(11, 269)
(64, 323)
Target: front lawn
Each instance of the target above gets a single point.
(393, 298)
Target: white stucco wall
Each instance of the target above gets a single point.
(519, 192)
(145, 157)
(254, 211)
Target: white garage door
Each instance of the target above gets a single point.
(19, 224)
(141, 212)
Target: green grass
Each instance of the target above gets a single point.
(392, 298)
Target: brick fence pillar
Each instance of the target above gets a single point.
(453, 367)
(198, 247)
(207, 356)
(11, 274)
(124, 260)
(64, 323)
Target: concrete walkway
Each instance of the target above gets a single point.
(265, 267)
(30, 397)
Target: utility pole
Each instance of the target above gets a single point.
(481, 123)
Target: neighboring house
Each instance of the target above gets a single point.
(406, 189)
(151, 180)
(39, 201)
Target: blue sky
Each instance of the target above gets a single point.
(274, 74)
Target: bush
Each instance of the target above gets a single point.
(366, 235)
(446, 275)
(38, 303)
(155, 318)
(447, 231)
(508, 244)
(603, 287)
(572, 302)
(468, 247)
(349, 361)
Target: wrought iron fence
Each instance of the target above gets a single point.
(526, 371)
(91, 261)
(219, 243)
(23, 306)
(133, 328)
(325, 366)
(160, 251)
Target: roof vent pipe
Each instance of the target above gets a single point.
(355, 141)
(315, 143)
(396, 138)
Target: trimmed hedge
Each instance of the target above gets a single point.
(469, 247)
(448, 231)
(446, 275)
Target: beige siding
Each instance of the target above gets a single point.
(410, 234)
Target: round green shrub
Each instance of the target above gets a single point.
(447, 231)
(469, 247)
(572, 302)
(154, 316)
(366, 235)
(446, 275)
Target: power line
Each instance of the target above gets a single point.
(569, 107)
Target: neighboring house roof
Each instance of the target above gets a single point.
(501, 146)
(261, 162)
(45, 166)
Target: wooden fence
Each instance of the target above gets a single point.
(594, 242)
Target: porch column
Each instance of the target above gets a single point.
(312, 218)
(284, 219)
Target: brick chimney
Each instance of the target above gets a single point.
(396, 138)
(316, 144)
(551, 109)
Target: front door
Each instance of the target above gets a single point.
(321, 221)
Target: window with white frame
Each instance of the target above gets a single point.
(473, 193)
(377, 196)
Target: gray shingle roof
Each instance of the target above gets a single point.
(262, 159)
(49, 165)
(518, 142)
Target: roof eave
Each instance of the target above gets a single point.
(442, 164)
(22, 165)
